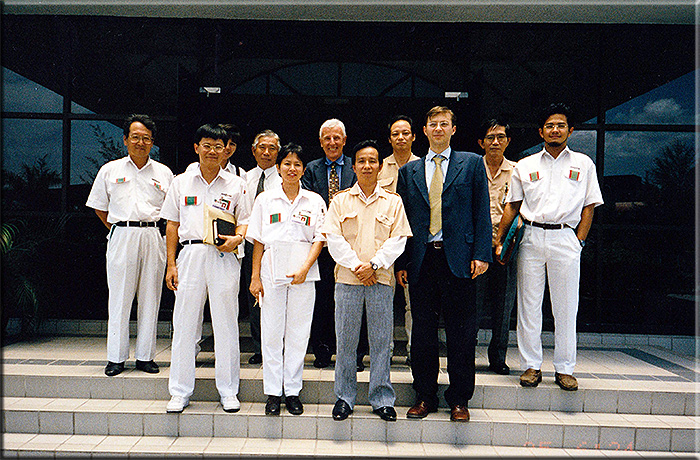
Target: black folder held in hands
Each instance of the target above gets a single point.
(222, 227)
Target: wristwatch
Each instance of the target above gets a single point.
(583, 243)
(375, 267)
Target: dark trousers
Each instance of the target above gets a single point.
(254, 310)
(323, 323)
(438, 290)
(495, 296)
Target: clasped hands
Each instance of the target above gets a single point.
(366, 274)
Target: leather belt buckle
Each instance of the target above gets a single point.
(437, 244)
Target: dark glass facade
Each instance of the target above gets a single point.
(70, 80)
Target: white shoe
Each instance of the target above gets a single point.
(177, 404)
(230, 403)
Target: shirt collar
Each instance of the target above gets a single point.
(445, 153)
(377, 193)
(148, 161)
(563, 153)
(340, 161)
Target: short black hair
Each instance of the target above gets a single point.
(491, 123)
(212, 132)
(233, 133)
(140, 118)
(290, 148)
(405, 118)
(363, 145)
(553, 109)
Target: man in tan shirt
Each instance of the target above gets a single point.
(495, 291)
(366, 230)
(401, 137)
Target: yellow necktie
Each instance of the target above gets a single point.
(435, 196)
(333, 183)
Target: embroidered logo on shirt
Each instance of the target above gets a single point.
(274, 218)
(574, 175)
(190, 201)
(121, 180)
(534, 176)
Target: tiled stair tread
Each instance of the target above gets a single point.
(12, 404)
(212, 446)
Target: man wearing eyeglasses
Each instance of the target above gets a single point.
(127, 196)
(555, 191)
(495, 290)
(204, 269)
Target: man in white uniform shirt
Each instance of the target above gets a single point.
(204, 269)
(555, 191)
(262, 177)
(127, 196)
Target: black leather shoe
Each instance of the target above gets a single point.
(360, 364)
(272, 407)
(255, 359)
(113, 369)
(341, 410)
(386, 413)
(147, 366)
(294, 405)
(499, 368)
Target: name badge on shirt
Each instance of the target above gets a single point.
(302, 217)
(156, 184)
(120, 180)
(191, 201)
(274, 218)
(535, 176)
(574, 174)
(223, 202)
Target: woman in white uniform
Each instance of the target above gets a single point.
(284, 229)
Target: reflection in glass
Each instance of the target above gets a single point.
(31, 165)
(672, 103)
(94, 143)
(20, 94)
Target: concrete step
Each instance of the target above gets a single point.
(34, 378)
(488, 427)
(57, 445)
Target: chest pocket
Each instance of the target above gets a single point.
(382, 227)
(349, 225)
(189, 201)
(119, 190)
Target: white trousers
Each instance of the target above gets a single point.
(285, 325)
(203, 270)
(553, 255)
(135, 267)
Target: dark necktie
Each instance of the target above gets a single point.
(261, 184)
(333, 182)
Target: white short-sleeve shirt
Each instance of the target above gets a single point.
(188, 194)
(128, 193)
(275, 218)
(555, 191)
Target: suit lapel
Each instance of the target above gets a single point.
(419, 179)
(454, 167)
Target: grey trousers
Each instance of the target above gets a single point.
(349, 303)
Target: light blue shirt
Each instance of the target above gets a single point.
(430, 170)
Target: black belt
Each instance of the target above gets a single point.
(135, 223)
(436, 244)
(186, 242)
(545, 226)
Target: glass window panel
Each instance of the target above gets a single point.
(647, 247)
(254, 86)
(20, 94)
(317, 79)
(94, 143)
(367, 79)
(672, 103)
(31, 165)
(77, 108)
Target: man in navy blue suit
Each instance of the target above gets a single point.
(447, 203)
(327, 176)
